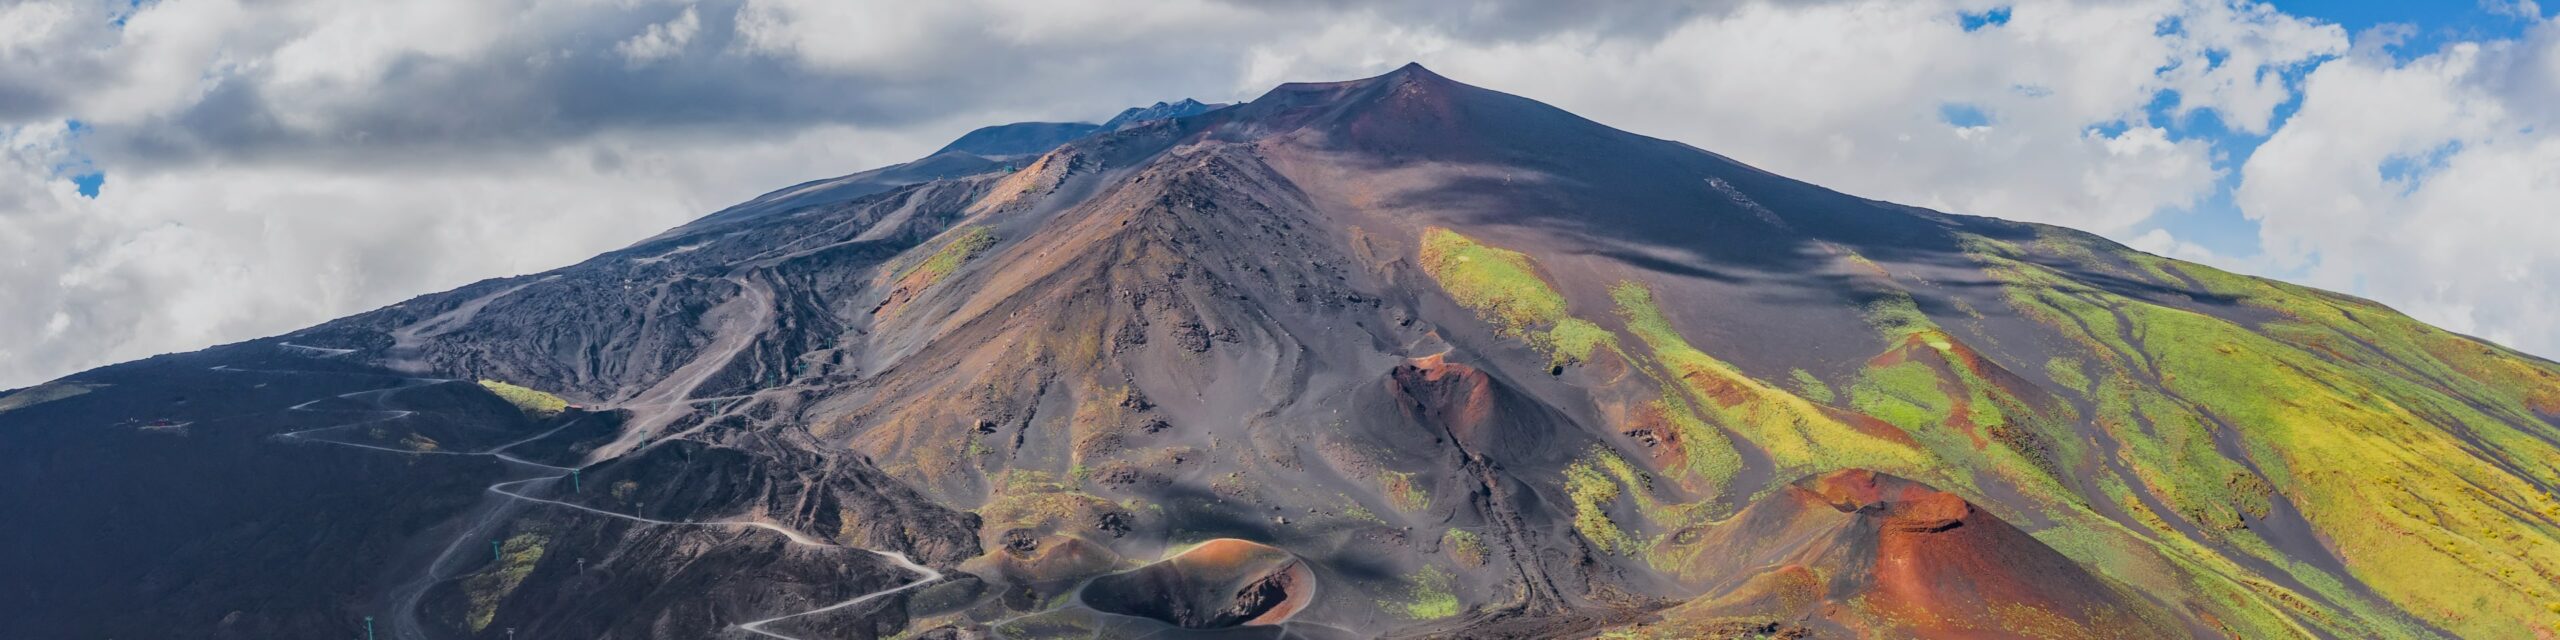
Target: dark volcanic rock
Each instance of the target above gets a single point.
(1475, 366)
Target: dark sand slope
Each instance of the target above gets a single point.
(1388, 357)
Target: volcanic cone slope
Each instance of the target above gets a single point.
(1388, 357)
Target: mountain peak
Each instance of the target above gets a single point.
(1566, 371)
(1413, 70)
(1158, 111)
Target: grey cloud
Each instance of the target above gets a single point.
(1517, 20)
(561, 74)
(557, 83)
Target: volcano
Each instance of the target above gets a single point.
(1391, 357)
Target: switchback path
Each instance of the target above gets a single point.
(404, 624)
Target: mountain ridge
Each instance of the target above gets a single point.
(1441, 361)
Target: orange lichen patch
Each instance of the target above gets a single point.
(1218, 584)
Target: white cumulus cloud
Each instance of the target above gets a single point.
(274, 164)
(662, 40)
(2432, 184)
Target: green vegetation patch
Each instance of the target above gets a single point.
(1710, 453)
(967, 243)
(2067, 372)
(2414, 453)
(1430, 597)
(534, 403)
(1800, 438)
(1465, 547)
(1356, 511)
(1503, 287)
(1401, 491)
(1812, 388)
(516, 559)
(1897, 316)
(1593, 491)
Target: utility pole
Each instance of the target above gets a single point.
(511, 633)
(573, 481)
(496, 551)
(368, 628)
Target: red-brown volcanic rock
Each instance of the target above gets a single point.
(1859, 553)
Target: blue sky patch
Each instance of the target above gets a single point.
(88, 183)
(84, 175)
(1986, 19)
(1963, 115)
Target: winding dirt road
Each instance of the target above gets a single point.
(403, 624)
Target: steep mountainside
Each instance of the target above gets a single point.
(1396, 356)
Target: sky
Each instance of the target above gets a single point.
(176, 174)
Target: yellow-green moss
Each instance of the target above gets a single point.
(516, 560)
(1711, 456)
(1503, 287)
(2358, 416)
(533, 403)
(1464, 546)
(964, 244)
(2066, 372)
(1798, 436)
(1592, 492)
(1812, 388)
(1429, 597)
(1403, 493)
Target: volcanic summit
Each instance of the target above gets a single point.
(1394, 357)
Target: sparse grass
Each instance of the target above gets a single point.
(1905, 394)
(533, 403)
(1500, 283)
(2067, 372)
(516, 559)
(1896, 316)
(1430, 597)
(1353, 509)
(1711, 456)
(1798, 436)
(1033, 499)
(1593, 491)
(416, 442)
(1403, 493)
(1812, 388)
(2415, 454)
(1464, 546)
(1503, 287)
(964, 244)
